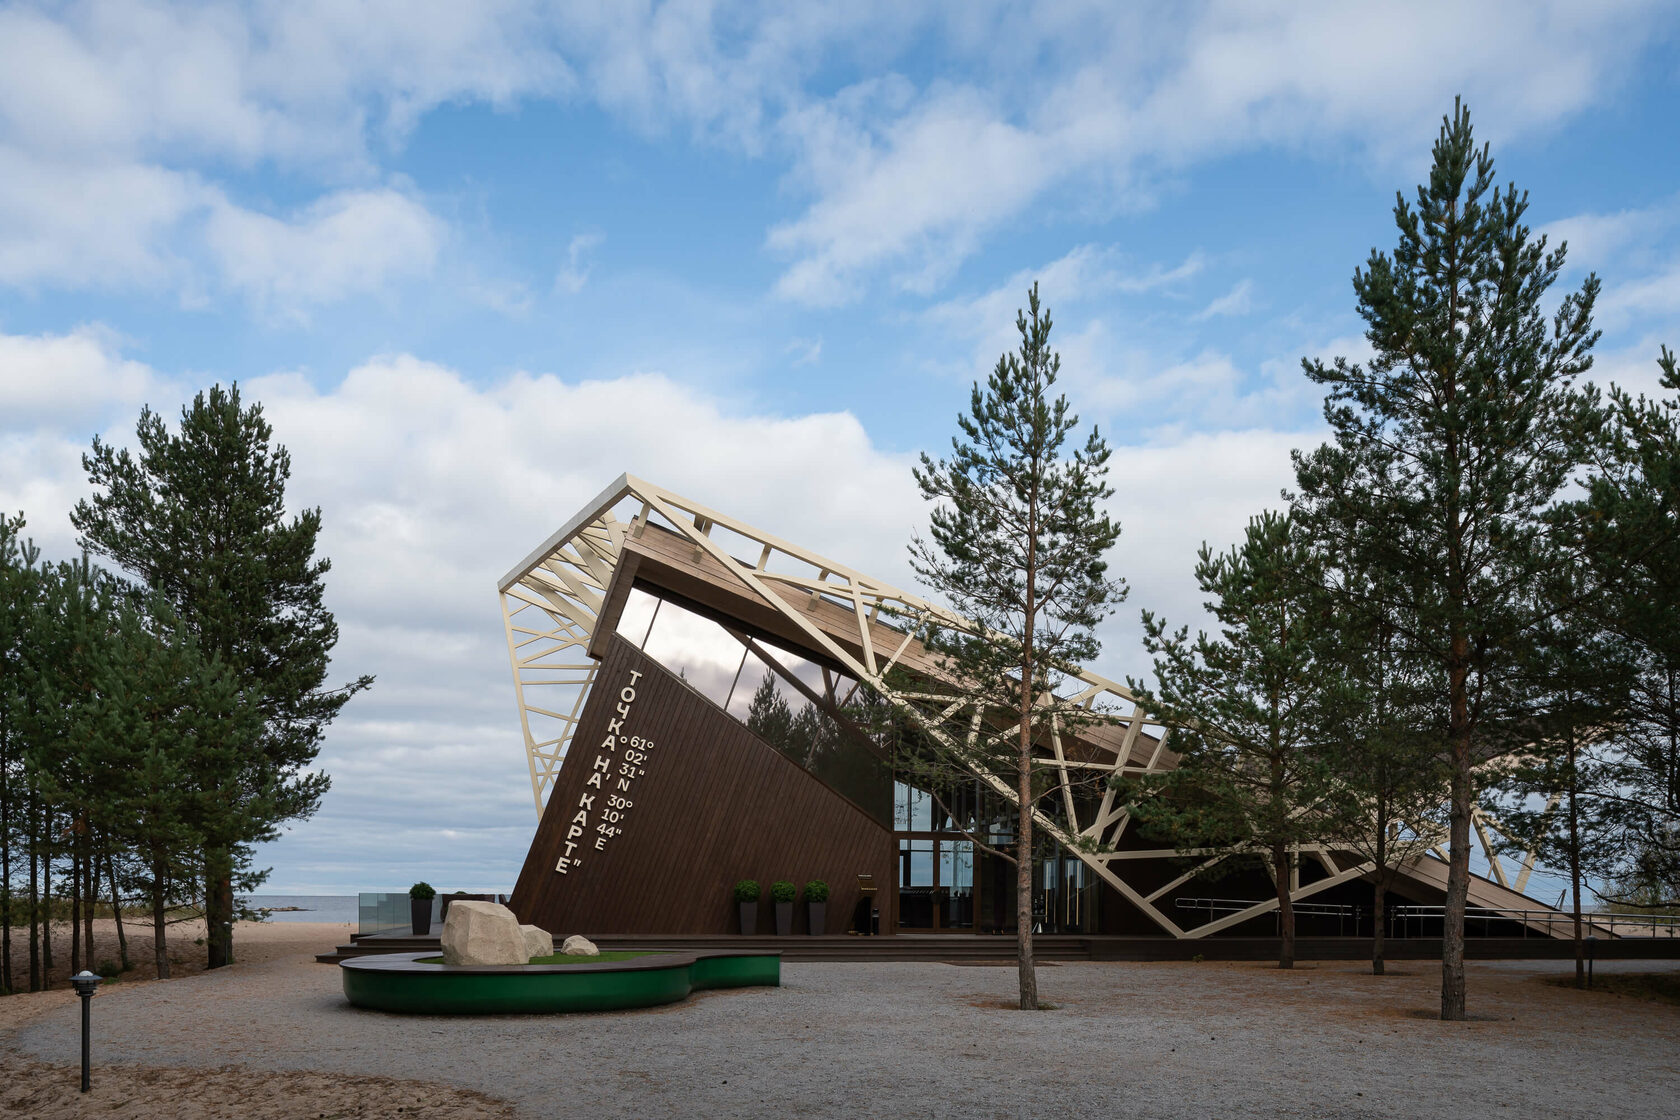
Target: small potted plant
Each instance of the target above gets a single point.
(782, 893)
(420, 897)
(746, 895)
(816, 906)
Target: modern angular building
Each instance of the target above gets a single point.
(703, 702)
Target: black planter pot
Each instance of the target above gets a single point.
(784, 918)
(749, 918)
(817, 912)
(420, 915)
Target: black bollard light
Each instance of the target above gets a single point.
(85, 982)
(1592, 951)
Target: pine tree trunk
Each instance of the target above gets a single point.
(116, 912)
(5, 864)
(34, 907)
(1575, 870)
(160, 942)
(46, 909)
(1379, 889)
(75, 911)
(90, 875)
(1458, 854)
(1378, 898)
(218, 907)
(1026, 972)
(1286, 908)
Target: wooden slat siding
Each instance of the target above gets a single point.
(715, 805)
(665, 562)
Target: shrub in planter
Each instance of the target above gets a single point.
(782, 893)
(746, 896)
(816, 906)
(420, 897)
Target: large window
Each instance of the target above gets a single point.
(787, 700)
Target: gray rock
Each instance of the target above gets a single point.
(538, 942)
(482, 933)
(579, 946)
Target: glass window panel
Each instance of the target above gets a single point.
(915, 861)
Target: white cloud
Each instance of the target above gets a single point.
(914, 191)
(72, 380)
(1657, 294)
(344, 243)
(574, 274)
(1238, 301)
(918, 196)
(1596, 240)
(1085, 274)
(1172, 496)
(805, 351)
(90, 225)
(118, 119)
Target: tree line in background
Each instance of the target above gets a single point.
(159, 720)
(1470, 600)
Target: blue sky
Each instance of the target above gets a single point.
(478, 260)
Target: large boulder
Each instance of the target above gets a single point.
(482, 933)
(578, 945)
(538, 942)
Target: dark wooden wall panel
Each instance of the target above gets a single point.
(713, 805)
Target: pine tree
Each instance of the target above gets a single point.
(18, 583)
(1018, 545)
(1629, 527)
(171, 726)
(1560, 795)
(199, 517)
(1447, 449)
(1386, 757)
(1254, 707)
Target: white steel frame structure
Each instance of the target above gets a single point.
(552, 599)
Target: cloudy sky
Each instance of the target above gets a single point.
(478, 260)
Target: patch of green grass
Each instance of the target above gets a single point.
(1661, 987)
(563, 958)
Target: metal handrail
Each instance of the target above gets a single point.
(1340, 911)
(1408, 920)
(1557, 923)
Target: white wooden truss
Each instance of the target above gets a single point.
(552, 599)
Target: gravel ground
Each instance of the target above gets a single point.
(921, 1040)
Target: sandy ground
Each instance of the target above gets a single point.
(252, 941)
(276, 1039)
(50, 1089)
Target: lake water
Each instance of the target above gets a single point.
(309, 907)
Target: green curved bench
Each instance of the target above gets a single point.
(401, 982)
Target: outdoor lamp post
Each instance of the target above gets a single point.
(85, 982)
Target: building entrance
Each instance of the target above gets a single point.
(935, 884)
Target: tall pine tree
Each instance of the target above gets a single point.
(1447, 449)
(1018, 546)
(199, 517)
(1254, 706)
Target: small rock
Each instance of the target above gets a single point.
(538, 942)
(579, 946)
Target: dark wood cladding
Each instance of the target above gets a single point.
(714, 805)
